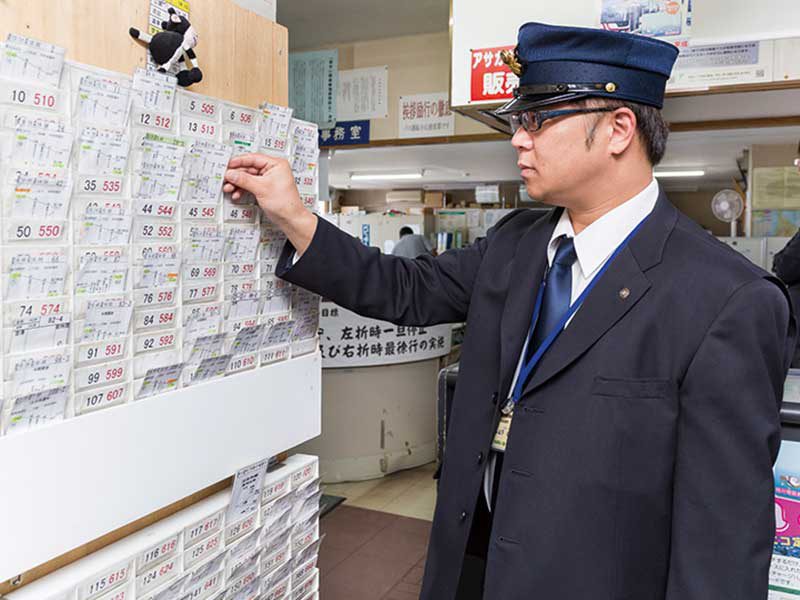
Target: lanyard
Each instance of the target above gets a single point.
(527, 367)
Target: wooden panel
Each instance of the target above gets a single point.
(244, 57)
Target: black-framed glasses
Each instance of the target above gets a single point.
(532, 120)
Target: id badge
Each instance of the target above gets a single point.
(501, 435)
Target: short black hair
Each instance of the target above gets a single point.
(406, 230)
(653, 129)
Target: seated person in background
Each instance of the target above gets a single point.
(411, 245)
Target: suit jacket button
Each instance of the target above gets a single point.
(480, 457)
(463, 515)
(494, 398)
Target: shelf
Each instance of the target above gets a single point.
(71, 483)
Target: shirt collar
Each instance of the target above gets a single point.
(598, 241)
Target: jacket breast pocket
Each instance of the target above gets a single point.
(632, 388)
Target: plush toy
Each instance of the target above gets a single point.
(174, 45)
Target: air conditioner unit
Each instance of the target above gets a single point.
(414, 196)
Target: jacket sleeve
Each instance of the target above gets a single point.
(723, 520)
(422, 291)
(786, 263)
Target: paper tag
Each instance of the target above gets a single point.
(205, 166)
(242, 363)
(92, 400)
(154, 341)
(108, 185)
(199, 128)
(102, 275)
(210, 368)
(275, 490)
(205, 588)
(102, 151)
(239, 529)
(160, 380)
(149, 231)
(241, 243)
(274, 354)
(201, 272)
(16, 312)
(40, 198)
(240, 269)
(40, 373)
(153, 90)
(154, 297)
(106, 319)
(40, 333)
(248, 340)
(200, 292)
(275, 559)
(93, 376)
(153, 119)
(37, 273)
(203, 528)
(100, 351)
(201, 312)
(30, 95)
(241, 141)
(274, 129)
(155, 576)
(160, 318)
(501, 435)
(160, 208)
(242, 285)
(204, 107)
(105, 226)
(103, 100)
(145, 362)
(158, 270)
(247, 487)
(21, 231)
(199, 212)
(117, 575)
(237, 115)
(143, 252)
(121, 593)
(246, 213)
(203, 550)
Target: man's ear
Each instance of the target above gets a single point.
(622, 130)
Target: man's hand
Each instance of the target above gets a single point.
(271, 181)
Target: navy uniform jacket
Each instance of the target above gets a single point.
(639, 463)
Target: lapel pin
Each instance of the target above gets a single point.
(624, 293)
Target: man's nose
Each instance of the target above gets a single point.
(521, 140)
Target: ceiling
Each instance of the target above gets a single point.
(318, 23)
(464, 165)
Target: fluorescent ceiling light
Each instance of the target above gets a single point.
(385, 176)
(696, 173)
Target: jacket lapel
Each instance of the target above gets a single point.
(525, 277)
(619, 289)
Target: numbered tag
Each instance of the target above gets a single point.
(30, 95)
(207, 587)
(237, 115)
(150, 342)
(106, 580)
(108, 185)
(24, 231)
(202, 551)
(242, 363)
(201, 292)
(155, 231)
(92, 400)
(100, 352)
(239, 213)
(150, 297)
(161, 318)
(16, 311)
(94, 376)
(234, 287)
(199, 106)
(274, 354)
(276, 489)
(201, 272)
(151, 119)
(157, 576)
(199, 128)
(203, 528)
(166, 209)
(247, 269)
(200, 212)
(158, 552)
(234, 326)
(304, 474)
(239, 529)
(121, 593)
(143, 252)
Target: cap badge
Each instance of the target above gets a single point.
(512, 60)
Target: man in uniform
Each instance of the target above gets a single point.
(616, 416)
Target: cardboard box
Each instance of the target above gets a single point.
(434, 199)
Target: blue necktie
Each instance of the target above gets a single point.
(557, 293)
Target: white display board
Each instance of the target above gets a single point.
(363, 94)
(350, 340)
(73, 483)
(425, 115)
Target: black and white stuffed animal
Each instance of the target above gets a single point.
(174, 45)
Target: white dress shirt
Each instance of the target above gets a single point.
(593, 247)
